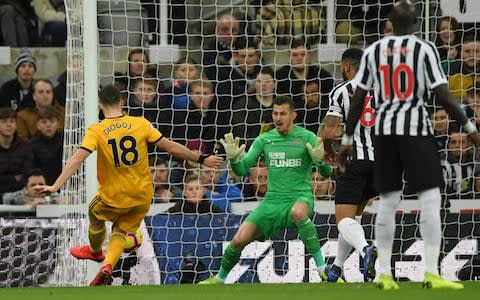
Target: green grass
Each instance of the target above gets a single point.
(353, 291)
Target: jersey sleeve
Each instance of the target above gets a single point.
(335, 103)
(434, 75)
(153, 135)
(89, 142)
(363, 78)
(242, 166)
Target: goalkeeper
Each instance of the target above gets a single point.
(290, 153)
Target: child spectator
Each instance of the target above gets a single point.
(323, 188)
(194, 199)
(186, 71)
(219, 191)
(448, 39)
(16, 156)
(47, 144)
(200, 120)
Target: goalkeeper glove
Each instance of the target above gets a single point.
(318, 152)
(231, 146)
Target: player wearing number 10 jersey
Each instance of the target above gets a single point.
(125, 188)
(403, 69)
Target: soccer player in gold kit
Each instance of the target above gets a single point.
(125, 187)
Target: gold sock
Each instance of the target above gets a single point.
(115, 248)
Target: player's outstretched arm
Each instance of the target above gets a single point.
(445, 99)
(73, 164)
(182, 152)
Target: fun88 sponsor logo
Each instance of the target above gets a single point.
(277, 159)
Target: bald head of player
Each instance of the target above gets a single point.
(403, 17)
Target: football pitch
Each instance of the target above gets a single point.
(352, 291)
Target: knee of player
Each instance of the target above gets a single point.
(239, 242)
(300, 211)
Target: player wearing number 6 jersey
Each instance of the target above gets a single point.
(403, 69)
(125, 188)
(355, 182)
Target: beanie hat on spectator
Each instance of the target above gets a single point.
(25, 56)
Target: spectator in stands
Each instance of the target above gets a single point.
(458, 167)
(218, 53)
(194, 200)
(323, 188)
(28, 195)
(314, 108)
(163, 192)
(280, 21)
(14, 19)
(256, 186)
(360, 20)
(16, 156)
(145, 101)
(476, 175)
(471, 104)
(17, 93)
(42, 97)
(252, 114)
(234, 81)
(293, 76)
(52, 14)
(47, 144)
(219, 191)
(199, 120)
(186, 70)
(138, 67)
(464, 73)
(441, 125)
(180, 170)
(387, 28)
(448, 38)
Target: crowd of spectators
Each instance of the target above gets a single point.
(230, 89)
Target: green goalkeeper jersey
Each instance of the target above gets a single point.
(289, 163)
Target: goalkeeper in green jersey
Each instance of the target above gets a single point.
(290, 152)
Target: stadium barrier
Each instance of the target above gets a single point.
(188, 248)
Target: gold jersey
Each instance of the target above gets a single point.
(122, 159)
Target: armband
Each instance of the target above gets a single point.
(469, 127)
(347, 140)
(202, 158)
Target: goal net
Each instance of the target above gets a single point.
(199, 69)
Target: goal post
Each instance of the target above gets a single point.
(189, 247)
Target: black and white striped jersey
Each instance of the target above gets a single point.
(339, 106)
(402, 70)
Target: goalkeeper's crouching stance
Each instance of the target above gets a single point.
(290, 153)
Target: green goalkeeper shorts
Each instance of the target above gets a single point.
(273, 214)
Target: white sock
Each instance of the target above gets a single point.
(430, 227)
(353, 233)
(385, 229)
(343, 250)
